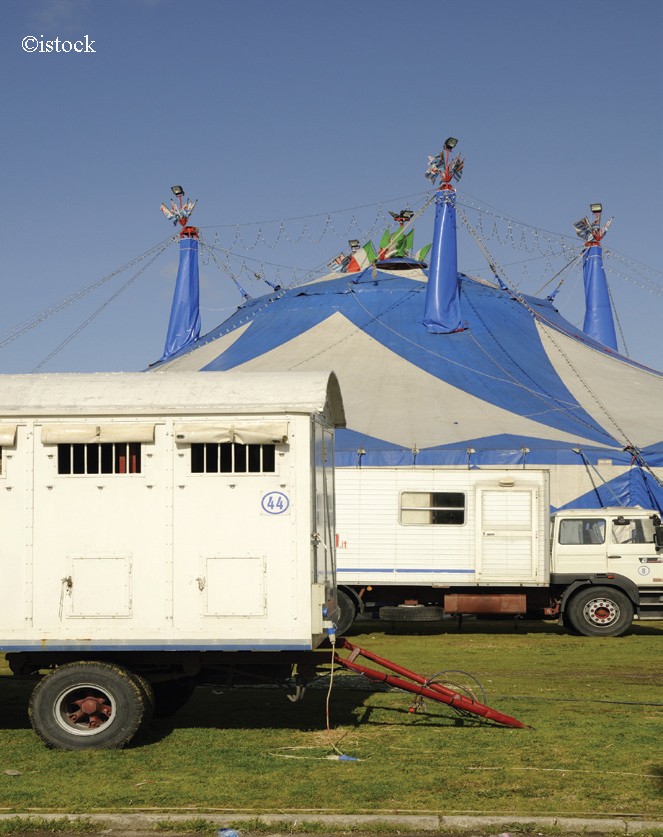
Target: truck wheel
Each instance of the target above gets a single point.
(88, 705)
(600, 611)
(411, 613)
(346, 614)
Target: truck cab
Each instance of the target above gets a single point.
(609, 563)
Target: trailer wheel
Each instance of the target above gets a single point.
(411, 613)
(600, 611)
(170, 696)
(88, 705)
(346, 612)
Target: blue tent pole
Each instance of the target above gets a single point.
(184, 324)
(442, 311)
(599, 323)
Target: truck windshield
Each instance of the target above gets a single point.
(640, 530)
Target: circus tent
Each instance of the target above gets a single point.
(513, 385)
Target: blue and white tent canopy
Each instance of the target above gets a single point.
(518, 386)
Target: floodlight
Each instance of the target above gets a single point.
(178, 191)
(354, 243)
(450, 143)
(596, 207)
(406, 214)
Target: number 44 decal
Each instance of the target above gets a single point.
(276, 502)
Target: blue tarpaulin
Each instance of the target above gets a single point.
(599, 323)
(442, 311)
(184, 324)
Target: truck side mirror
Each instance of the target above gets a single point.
(658, 537)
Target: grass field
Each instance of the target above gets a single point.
(595, 705)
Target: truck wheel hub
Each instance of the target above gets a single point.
(601, 611)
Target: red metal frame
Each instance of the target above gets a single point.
(421, 685)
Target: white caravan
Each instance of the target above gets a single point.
(415, 543)
(156, 525)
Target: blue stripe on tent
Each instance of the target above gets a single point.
(509, 369)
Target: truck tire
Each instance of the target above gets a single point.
(88, 705)
(600, 611)
(411, 613)
(346, 614)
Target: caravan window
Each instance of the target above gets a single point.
(102, 458)
(232, 458)
(432, 508)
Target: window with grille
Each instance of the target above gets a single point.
(432, 508)
(232, 458)
(102, 458)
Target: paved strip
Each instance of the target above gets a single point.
(140, 823)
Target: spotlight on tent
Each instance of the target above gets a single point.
(178, 191)
(403, 216)
(450, 143)
(597, 208)
(354, 244)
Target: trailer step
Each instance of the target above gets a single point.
(409, 681)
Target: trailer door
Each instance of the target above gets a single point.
(507, 536)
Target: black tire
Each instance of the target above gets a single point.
(170, 696)
(600, 611)
(346, 612)
(411, 613)
(88, 705)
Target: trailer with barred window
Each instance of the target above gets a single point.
(155, 526)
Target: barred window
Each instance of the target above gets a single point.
(433, 508)
(103, 458)
(232, 458)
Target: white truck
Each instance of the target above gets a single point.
(419, 543)
(159, 530)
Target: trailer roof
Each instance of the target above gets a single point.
(119, 393)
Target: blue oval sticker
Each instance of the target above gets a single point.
(275, 502)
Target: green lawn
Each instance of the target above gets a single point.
(595, 747)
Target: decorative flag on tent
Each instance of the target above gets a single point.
(395, 244)
(362, 258)
(420, 255)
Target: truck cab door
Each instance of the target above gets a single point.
(632, 551)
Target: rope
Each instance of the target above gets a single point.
(104, 305)
(21, 328)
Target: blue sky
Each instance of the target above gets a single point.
(267, 111)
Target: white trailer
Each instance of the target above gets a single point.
(414, 544)
(158, 529)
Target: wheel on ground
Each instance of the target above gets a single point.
(411, 613)
(600, 611)
(346, 612)
(170, 696)
(88, 705)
